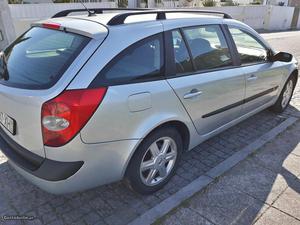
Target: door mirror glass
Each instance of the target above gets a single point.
(282, 57)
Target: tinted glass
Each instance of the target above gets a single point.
(181, 55)
(37, 59)
(141, 61)
(208, 47)
(249, 49)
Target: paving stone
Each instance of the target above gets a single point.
(249, 215)
(275, 217)
(187, 216)
(62, 209)
(33, 222)
(56, 201)
(278, 159)
(115, 203)
(255, 180)
(48, 217)
(4, 204)
(92, 218)
(171, 221)
(214, 202)
(58, 221)
(101, 207)
(123, 216)
(289, 201)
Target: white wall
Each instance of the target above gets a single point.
(6, 25)
(24, 15)
(257, 16)
(280, 18)
(275, 2)
(254, 16)
(298, 23)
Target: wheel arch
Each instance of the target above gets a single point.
(178, 125)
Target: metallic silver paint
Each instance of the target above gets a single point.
(219, 89)
(25, 105)
(103, 163)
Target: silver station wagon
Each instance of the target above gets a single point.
(91, 99)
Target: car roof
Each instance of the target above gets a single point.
(98, 25)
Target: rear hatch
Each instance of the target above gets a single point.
(37, 67)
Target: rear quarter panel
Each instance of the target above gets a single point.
(117, 119)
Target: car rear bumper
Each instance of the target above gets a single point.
(36, 165)
(75, 166)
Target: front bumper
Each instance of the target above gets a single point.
(73, 167)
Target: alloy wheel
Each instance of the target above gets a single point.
(158, 161)
(287, 93)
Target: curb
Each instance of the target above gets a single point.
(201, 182)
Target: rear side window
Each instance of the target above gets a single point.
(249, 49)
(141, 61)
(181, 55)
(208, 47)
(37, 59)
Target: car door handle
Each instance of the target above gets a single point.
(252, 77)
(192, 94)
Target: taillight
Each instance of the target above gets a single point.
(54, 26)
(64, 116)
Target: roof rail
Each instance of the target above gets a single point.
(95, 11)
(161, 14)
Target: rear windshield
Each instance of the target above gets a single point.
(38, 58)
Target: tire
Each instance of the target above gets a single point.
(154, 160)
(285, 96)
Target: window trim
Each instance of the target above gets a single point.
(170, 52)
(227, 27)
(171, 65)
(188, 48)
(99, 80)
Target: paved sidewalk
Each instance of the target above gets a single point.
(115, 204)
(263, 189)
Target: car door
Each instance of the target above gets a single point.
(263, 77)
(204, 77)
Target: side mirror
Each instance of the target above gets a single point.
(282, 57)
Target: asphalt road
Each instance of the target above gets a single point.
(285, 41)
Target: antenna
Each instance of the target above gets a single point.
(90, 13)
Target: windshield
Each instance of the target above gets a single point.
(38, 58)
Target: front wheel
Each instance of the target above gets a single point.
(285, 96)
(155, 161)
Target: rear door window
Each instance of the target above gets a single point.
(37, 59)
(208, 47)
(142, 61)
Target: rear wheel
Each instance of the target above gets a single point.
(155, 161)
(285, 96)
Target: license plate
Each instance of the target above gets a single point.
(8, 122)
